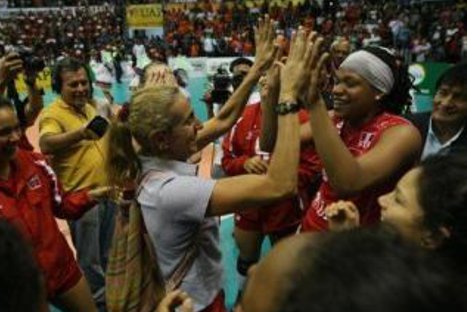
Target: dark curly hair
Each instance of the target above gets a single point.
(443, 197)
(398, 101)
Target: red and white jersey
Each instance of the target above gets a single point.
(359, 141)
(30, 199)
(242, 143)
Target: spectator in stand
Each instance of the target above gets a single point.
(398, 26)
(229, 24)
(209, 43)
(421, 50)
(340, 49)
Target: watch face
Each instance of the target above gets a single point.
(287, 107)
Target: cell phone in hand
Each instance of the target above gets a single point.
(98, 125)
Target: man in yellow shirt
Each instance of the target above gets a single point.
(78, 158)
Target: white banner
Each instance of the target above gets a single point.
(202, 66)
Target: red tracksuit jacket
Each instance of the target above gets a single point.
(242, 143)
(30, 199)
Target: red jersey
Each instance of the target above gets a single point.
(30, 199)
(359, 141)
(242, 143)
(25, 144)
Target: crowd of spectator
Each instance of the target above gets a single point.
(64, 32)
(54, 3)
(420, 32)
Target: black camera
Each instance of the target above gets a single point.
(222, 82)
(31, 62)
(221, 79)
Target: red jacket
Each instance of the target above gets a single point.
(242, 143)
(30, 199)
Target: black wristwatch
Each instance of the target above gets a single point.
(285, 108)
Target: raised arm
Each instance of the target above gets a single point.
(35, 103)
(268, 98)
(270, 87)
(10, 65)
(233, 108)
(247, 191)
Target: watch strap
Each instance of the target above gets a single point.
(285, 108)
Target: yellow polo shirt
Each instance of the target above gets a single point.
(82, 164)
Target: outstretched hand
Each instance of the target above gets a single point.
(10, 65)
(264, 42)
(100, 193)
(342, 215)
(314, 70)
(271, 82)
(295, 71)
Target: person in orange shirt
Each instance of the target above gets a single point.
(248, 47)
(194, 48)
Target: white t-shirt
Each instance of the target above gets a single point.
(208, 44)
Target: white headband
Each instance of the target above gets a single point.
(371, 68)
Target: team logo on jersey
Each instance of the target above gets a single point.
(365, 139)
(34, 183)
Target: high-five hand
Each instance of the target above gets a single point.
(294, 72)
(314, 69)
(264, 41)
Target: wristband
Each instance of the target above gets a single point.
(285, 108)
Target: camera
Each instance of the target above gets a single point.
(31, 62)
(222, 82)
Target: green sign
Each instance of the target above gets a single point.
(426, 75)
